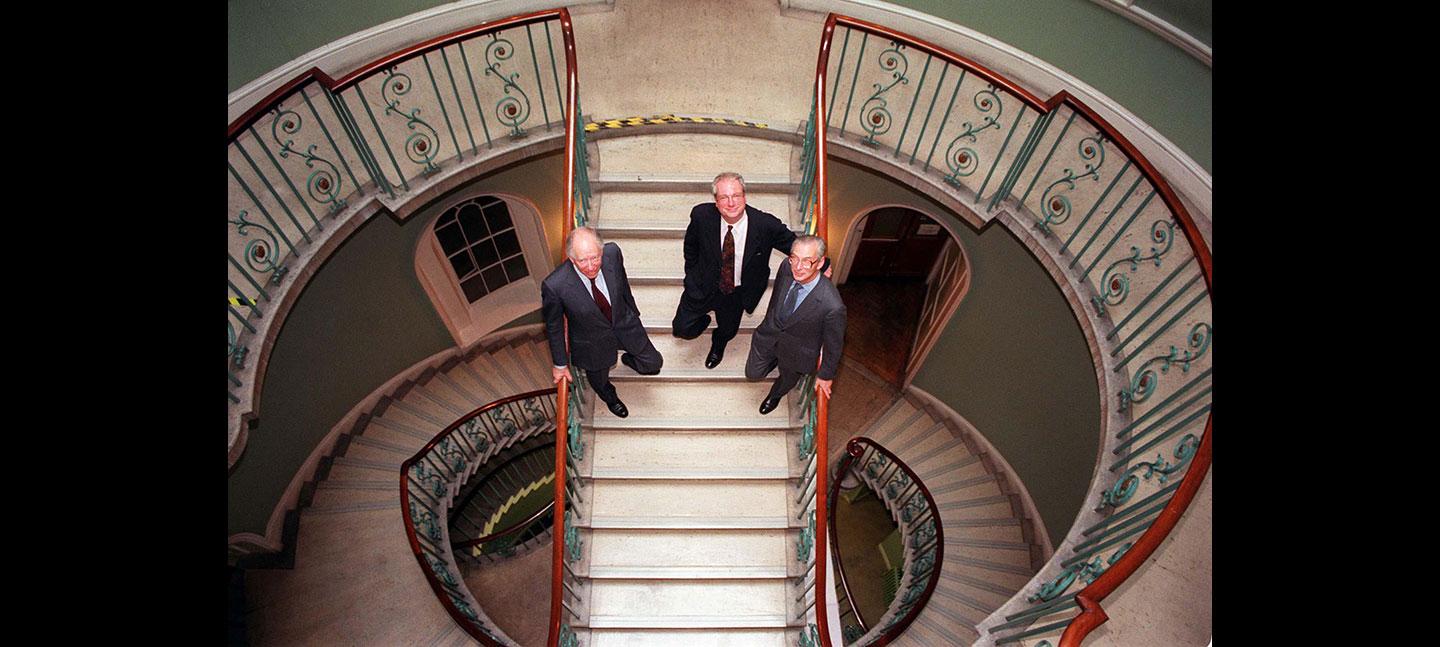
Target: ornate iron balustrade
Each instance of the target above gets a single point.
(910, 503)
(1110, 229)
(309, 158)
(487, 499)
(566, 547)
(431, 478)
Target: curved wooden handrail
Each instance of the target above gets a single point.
(1092, 615)
(854, 449)
(822, 475)
(514, 528)
(415, 548)
(557, 553)
(273, 99)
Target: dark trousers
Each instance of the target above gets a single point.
(759, 364)
(647, 362)
(688, 323)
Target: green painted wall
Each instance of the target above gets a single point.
(362, 319)
(1012, 360)
(1157, 81)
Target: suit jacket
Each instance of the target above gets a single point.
(818, 323)
(594, 341)
(702, 255)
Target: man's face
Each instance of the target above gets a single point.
(585, 254)
(805, 261)
(730, 199)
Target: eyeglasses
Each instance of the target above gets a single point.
(803, 262)
(730, 197)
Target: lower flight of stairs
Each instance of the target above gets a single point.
(990, 548)
(354, 579)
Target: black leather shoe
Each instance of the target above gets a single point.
(618, 408)
(716, 354)
(769, 405)
(629, 360)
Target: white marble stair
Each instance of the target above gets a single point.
(988, 541)
(352, 548)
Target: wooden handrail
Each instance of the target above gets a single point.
(514, 528)
(337, 85)
(1092, 615)
(410, 534)
(854, 450)
(822, 425)
(557, 553)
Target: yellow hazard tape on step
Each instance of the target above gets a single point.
(236, 301)
(665, 119)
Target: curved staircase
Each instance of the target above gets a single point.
(990, 547)
(355, 580)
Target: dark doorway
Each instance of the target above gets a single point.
(898, 243)
(885, 289)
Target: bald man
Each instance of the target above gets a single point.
(591, 292)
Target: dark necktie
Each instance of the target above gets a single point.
(788, 307)
(727, 262)
(600, 300)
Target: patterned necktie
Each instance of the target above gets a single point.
(788, 307)
(600, 300)
(727, 262)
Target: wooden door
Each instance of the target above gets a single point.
(898, 243)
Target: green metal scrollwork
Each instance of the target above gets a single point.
(806, 542)
(1125, 488)
(236, 352)
(260, 252)
(912, 509)
(568, 637)
(504, 422)
(922, 563)
(451, 454)
(510, 110)
(851, 633)
(426, 521)
(430, 477)
(572, 429)
(963, 160)
(477, 434)
(421, 146)
(1057, 208)
(897, 484)
(532, 410)
(874, 117)
(807, 437)
(1143, 385)
(323, 184)
(876, 466)
(572, 540)
(1087, 571)
(1117, 286)
(442, 571)
(923, 534)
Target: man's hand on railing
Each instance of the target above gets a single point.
(823, 386)
(559, 373)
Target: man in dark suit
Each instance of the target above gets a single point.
(805, 315)
(727, 263)
(591, 292)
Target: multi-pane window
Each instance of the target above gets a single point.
(479, 238)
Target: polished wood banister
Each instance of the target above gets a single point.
(557, 553)
(410, 533)
(562, 408)
(822, 612)
(337, 85)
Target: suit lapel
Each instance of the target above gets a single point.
(584, 285)
(612, 283)
(752, 238)
(808, 306)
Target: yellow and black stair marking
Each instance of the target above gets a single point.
(237, 301)
(665, 119)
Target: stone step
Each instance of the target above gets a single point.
(690, 638)
(658, 454)
(697, 604)
(689, 354)
(657, 304)
(612, 550)
(686, 499)
(651, 258)
(692, 403)
(670, 211)
(693, 154)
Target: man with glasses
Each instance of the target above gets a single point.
(805, 316)
(591, 293)
(727, 263)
